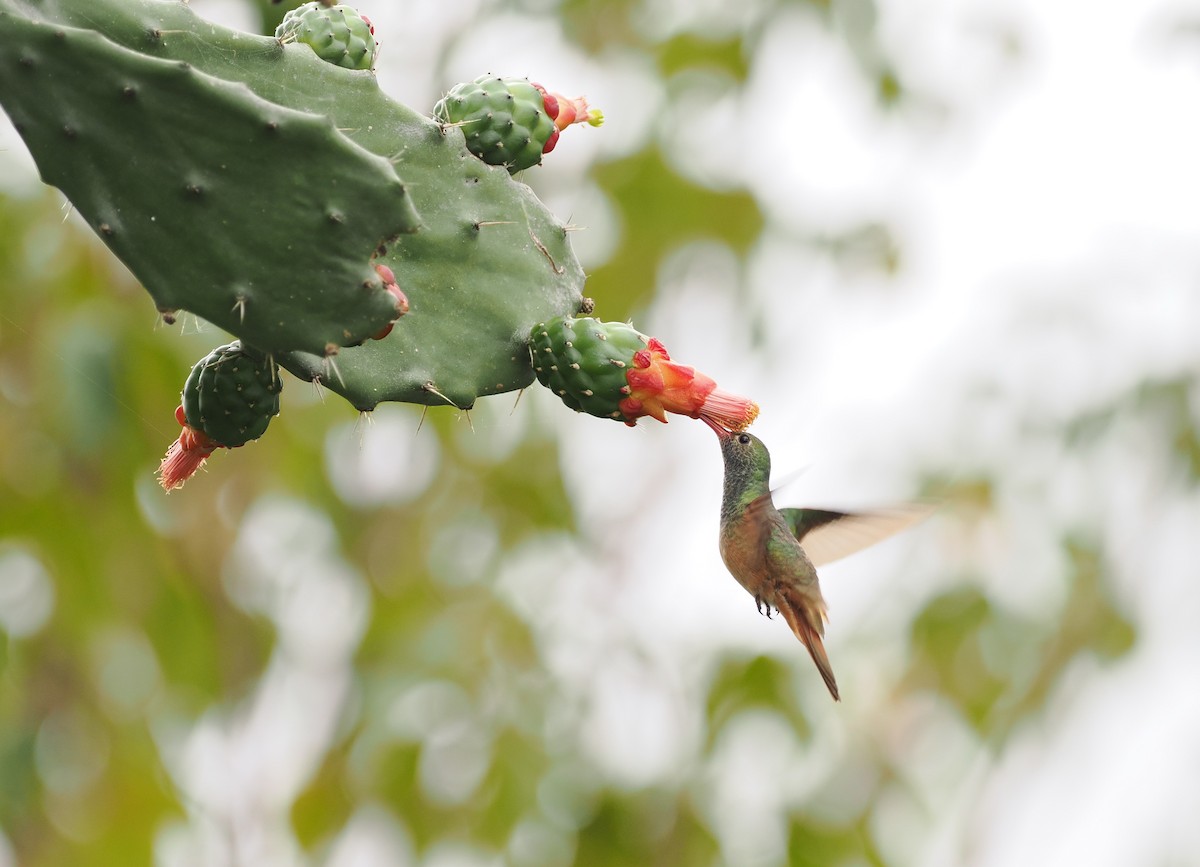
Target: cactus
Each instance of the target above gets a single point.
(288, 201)
(511, 122)
(608, 369)
(229, 398)
(338, 34)
(363, 181)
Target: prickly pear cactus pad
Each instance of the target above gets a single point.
(229, 398)
(257, 217)
(610, 370)
(511, 122)
(476, 255)
(338, 34)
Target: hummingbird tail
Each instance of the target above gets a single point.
(806, 620)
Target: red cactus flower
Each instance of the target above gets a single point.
(185, 456)
(565, 111)
(658, 385)
(389, 283)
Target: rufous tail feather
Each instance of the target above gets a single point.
(805, 619)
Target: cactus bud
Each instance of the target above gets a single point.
(338, 34)
(511, 122)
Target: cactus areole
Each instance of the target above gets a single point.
(610, 370)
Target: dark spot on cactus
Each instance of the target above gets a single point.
(129, 93)
(586, 305)
(60, 35)
(70, 132)
(194, 190)
(25, 62)
(154, 34)
(107, 231)
(272, 126)
(168, 316)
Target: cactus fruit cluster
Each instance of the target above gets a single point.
(338, 34)
(511, 122)
(610, 370)
(229, 398)
(155, 124)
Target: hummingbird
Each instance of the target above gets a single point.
(762, 545)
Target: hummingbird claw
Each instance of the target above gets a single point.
(758, 603)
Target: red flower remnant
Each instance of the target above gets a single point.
(565, 111)
(389, 283)
(658, 385)
(186, 455)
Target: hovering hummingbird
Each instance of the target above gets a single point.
(761, 545)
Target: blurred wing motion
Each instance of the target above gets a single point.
(827, 535)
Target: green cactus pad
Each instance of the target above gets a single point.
(482, 262)
(257, 217)
(584, 361)
(503, 120)
(338, 34)
(232, 394)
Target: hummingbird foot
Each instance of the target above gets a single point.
(759, 604)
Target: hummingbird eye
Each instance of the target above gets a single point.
(744, 439)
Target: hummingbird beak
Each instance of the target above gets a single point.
(717, 429)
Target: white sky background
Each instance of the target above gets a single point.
(1046, 207)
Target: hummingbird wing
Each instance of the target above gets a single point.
(829, 535)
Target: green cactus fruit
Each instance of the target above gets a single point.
(338, 34)
(584, 362)
(232, 394)
(504, 120)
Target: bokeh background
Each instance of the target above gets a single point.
(952, 249)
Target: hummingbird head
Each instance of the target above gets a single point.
(745, 455)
